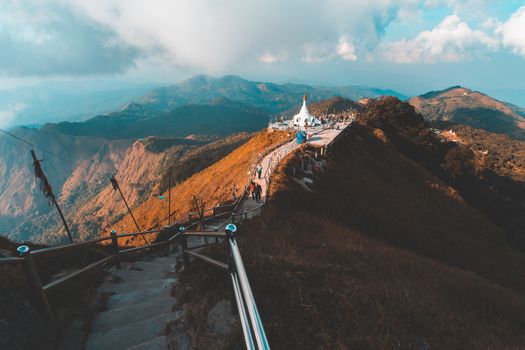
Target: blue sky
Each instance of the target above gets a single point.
(409, 45)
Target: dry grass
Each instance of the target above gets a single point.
(213, 185)
(378, 256)
(321, 285)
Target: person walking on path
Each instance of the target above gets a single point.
(252, 189)
(259, 170)
(258, 191)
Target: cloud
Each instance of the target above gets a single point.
(86, 37)
(41, 38)
(272, 58)
(451, 41)
(211, 36)
(9, 114)
(346, 49)
(513, 32)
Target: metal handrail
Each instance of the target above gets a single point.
(245, 322)
(55, 249)
(248, 211)
(138, 233)
(11, 260)
(247, 295)
(77, 272)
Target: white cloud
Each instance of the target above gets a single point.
(42, 38)
(272, 58)
(513, 32)
(451, 41)
(9, 114)
(211, 36)
(85, 37)
(346, 50)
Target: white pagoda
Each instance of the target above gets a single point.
(304, 118)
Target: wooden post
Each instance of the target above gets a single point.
(116, 250)
(167, 234)
(184, 244)
(116, 187)
(169, 200)
(48, 192)
(35, 281)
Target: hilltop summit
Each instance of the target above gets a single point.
(464, 106)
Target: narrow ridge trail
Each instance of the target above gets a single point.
(141, 312)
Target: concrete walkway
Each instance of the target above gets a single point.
(317, 138)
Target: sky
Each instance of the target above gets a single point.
(408, 45)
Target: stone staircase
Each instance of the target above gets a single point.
(140, 310)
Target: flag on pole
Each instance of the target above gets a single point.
(44, 185)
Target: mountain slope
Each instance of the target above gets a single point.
(142, 171)
(212, 185)
(334, 105)
(484, 185)
(463, 106)
(93, 159)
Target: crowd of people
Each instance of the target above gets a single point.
(330, 120)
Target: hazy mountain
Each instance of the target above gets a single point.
(58, 101)
(219, 117)
(463, 106)
(76, 101)
(275, 98)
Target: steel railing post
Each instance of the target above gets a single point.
(231, 268)
(116, 250)
(35, 281)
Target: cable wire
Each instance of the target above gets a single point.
(18, 138)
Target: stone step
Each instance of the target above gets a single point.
(135, 275)
(175, 340)
(172, 259)
(154, 266)
(123, 266)
(138, 296)
(126, 287)
(160, 343)
(139, 332)
(124, 315)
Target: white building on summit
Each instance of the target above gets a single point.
(304, 118)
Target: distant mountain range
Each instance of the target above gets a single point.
(218, 105)
(217, 118)
(53, 102)
(275, 98)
